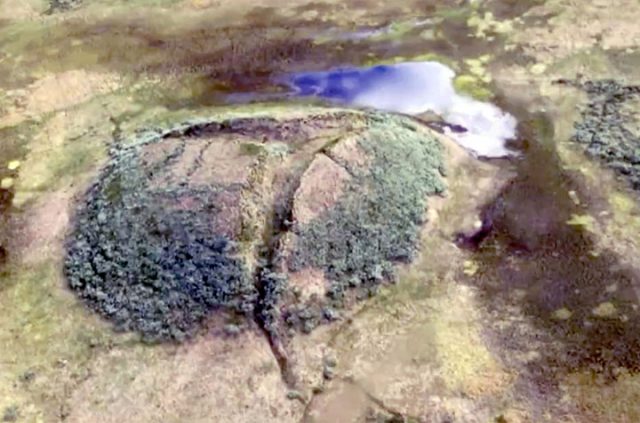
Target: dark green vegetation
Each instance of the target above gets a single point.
(608, 128)
(155, 246)
(377, 220)
(376, 223)
(148, 265)
(63, 5)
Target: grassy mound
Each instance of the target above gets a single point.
(153, 247)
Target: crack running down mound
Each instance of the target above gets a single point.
(259, 217)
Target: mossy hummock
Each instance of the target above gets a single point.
(159, 242)
(145, 262)
(376, 223)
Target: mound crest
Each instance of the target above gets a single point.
(283, 219)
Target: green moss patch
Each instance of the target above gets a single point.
(158, 243)
(148, 264)
(608, 129)
(376, 223)
(473, 87)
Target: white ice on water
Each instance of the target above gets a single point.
(414, 88)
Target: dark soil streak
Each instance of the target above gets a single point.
(526, 245)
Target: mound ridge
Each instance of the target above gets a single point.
(286, 220)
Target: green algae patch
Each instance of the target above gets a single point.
(376, 222)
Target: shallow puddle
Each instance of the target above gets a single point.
(414, 88)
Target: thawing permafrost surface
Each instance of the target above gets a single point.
(415, 88)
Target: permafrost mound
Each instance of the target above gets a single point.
(287, 219)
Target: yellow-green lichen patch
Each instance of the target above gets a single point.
(6, 183)
(421, 338)
(13, 164)
(475, 79)
(478, 68)
(538, 69)
(473, 87)
(625, 216)
(47, 338)
(67, 145)
(467, 363)
(470, 267)
(59, 166)
(605, 310)
(486, 25)
(562, 314)
(582, 220)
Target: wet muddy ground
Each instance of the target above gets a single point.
(536, 253)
